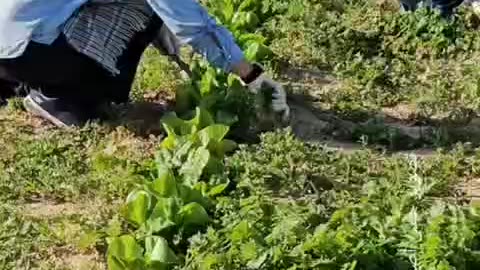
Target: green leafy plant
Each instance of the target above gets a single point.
(167, 209)
(221, 94)
(160, 211)
(195, 145)
(302, 206)
(299, 206)
(125, 253)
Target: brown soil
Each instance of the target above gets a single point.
(50, 209)
(83, 262)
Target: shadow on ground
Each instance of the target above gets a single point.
(313, 124)
(141, 118)
(394, 129)
(310, 123)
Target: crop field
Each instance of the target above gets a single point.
(379, 167)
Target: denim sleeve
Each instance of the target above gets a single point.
(446, 7)
(191, 23)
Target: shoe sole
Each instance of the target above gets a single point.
(35, 109)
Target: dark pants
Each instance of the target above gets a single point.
(57, 70)
(446, 7)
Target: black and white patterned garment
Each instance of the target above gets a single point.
(102, 29)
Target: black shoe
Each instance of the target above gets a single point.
(60, 112)
(10, 90)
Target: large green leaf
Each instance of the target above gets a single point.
(165, 208)
(257, 52)
(116, 264)
(184, 147)
(209, 101)
(245, 20)
(202, 119)
(224, 11)
(215, 166)
(189, 195)
(194, 214)
(124, 253)
(165, 185)
(218, 189)
(138, 206)
(223, 147)
(163, 215)
(163, 160)
(192, 169)
(208, 83)
(213, 133)
(158, 225)
(247, 39)
(241, 232)
(247, 5)
(169, 142)
(174, 125)
(158, 253)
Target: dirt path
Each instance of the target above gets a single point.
(75, 247)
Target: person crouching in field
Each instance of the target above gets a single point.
(72, 56)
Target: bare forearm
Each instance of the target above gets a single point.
(242, 69)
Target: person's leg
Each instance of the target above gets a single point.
(57, 70)
(409, 5)
(115, 35)
(446, 7)
(64, 81)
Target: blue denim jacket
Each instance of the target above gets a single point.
(446, 7)
(22, 21)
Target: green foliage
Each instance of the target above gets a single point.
(172, 205)
(295, 205)
(35, 165)
(195, 146)
(382, 57)
(361, 212)
(210, 88)
(19, 238)
(281, 204)
(163, 203)
(222, 95)
(125, 254)
(156, 74)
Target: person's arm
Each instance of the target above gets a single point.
(191, 24)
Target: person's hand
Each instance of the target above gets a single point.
(256, 80)
(279, 96)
